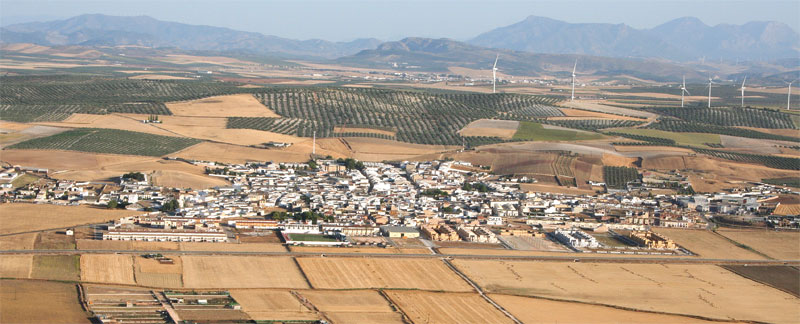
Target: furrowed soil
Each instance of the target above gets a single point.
(23, 301)
(456, 308)
(698, 290)
(781, 277)
(151, 273)
(107, 268)
(353, 273)
(706, 244)
(779, 245)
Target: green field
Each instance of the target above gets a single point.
(789, 182)
(530, 131)
(689, 139)
(56, 267)
(109, 141)
(310, 237)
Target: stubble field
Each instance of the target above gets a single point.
(706, 244)
(272, 305)
(778, 245)
(241, 272)
(456, 308)
(107, 268)
(18, 217)
(21, 301)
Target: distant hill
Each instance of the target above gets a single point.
(103, 30)
(681, 39)
(425, 54)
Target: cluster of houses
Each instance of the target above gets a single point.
(438, 200)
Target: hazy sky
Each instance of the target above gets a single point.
(391, 20)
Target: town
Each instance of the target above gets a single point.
(346, 202)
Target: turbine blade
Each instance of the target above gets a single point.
(574, 66)
(495, 61)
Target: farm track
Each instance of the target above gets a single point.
(480, 291)
(566, 258)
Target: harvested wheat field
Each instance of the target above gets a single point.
(241, 272)
(272, 305)
(538, 310)
(778, 245)
(107, 268)
(219, 133)
(706, 244)
(238, 105)
(388, 250)
(113, 121)
(376, 149)
(151, 273)
(227, 153)
(18, 242)
(66, 160)
(435, 307)
(87, 244)
(348, 273)
(244, 247)
(180, 179)
(598, 106)
(698, 290)
(15, 218)
(570, 112)
(21, 302)
(353, 306)
(16, 266)
(491, 127)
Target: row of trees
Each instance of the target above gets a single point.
(751, 117)
(675, 125)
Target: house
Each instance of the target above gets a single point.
(399, 232)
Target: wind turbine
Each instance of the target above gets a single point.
(743, 81)
(573, 79)
(494, 74)
(789, 95)
(710, 82)
(683, 90)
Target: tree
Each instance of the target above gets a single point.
(112, 204)
(169, 206)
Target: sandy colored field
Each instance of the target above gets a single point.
(642, 148)
(434, 307)
(227, 153)
(701, 290)
(344, 129)
(125, 245)
(17, 242)
(21, 302)
(56, 267)
(540, 187)
(372, 318)
(537, 310)
(16, 266)
(567, 255)
(180, 179)
(6, 126)
(191, 59)
(595, 105)
(784, 245)
(245, 247)
(16, 218)
(107, 268)
(344, 273)
(241, 272)
(157, 77)
(389, 250)
(238, 136)
(238, 105)
(488, 127)
(706, 244)
(375, 149)
(353, 306)
(66, 160)
(212, 315)
(263, 304)
(113, 121)
(570, 112)
(151, 273)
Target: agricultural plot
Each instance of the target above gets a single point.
(697, 290)
(56, 267)
(667, 137)
(18, 242)
(680, 126)
(31, 217)
(272, 305)
(425, 118)
(751, 117)
(781, 277)
(593, 124)
(238, 105)
(530, 131)
(706, 244)
(354, 273)
(778, 245)
(435, 307)
(151, 273)
(617, 177)
(490, 128)
(241, 272)
(98, 140)
(777, 162)
(107, 268)
(538, 310)
(16, 266)
(21, 301)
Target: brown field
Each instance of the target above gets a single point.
(212, 315)
(238, 105)
(227, 153)
(88, 244)
(537, 310)
(54, 240)
(67, 160)
(16, 266)
(785, 278)
(699, 290)
(595, 105)
(706, 244)
(244, 247)
(787, 209)
(778, 245)
(241, 272)
(375, 149)
(345, 129)
(506, 252)
(540, 187)
(151, 273)
(21, 302)
(107, 268)
(651, 149)
(15, 218)
(180, 179)
(192, 59)
(570, 112)
(348, 301)
(263, 304)
(112, 121)
(18, 242)
(13, 126)
(372, 318)
(228, 135)
(433, 307)
(346, 273)
(489, 127)
(157, 77)
(56, 267)
(388, 250)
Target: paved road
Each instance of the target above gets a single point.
(571, 258)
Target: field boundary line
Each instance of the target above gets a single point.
(308, 304)
(480, 291)
(759, 281)
(742, 246)
(393, 304)
(302, 272)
